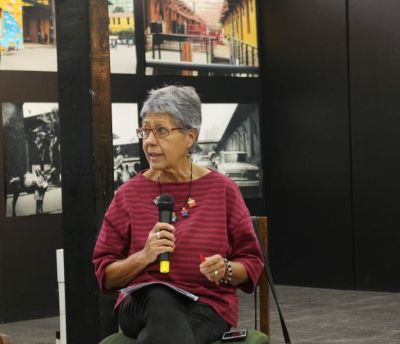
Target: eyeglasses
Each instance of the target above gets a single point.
(159, 132)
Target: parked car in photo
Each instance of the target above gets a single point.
(234, 165)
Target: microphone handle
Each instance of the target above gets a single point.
(164, 216)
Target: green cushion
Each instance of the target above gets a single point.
(253, 337)
(117, 338)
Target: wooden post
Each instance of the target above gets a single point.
(186, 55)
(86, 150)
(264, 292)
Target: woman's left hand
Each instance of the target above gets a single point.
(213, 268)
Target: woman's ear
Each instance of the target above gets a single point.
(191, 137)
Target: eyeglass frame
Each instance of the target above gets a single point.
(143, 130)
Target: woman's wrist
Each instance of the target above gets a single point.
(227, 279)
(235, 273)
(121, 272)
(140, 258)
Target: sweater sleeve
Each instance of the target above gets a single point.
(244, 245)
(113, 241)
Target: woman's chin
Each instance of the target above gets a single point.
(155, 165)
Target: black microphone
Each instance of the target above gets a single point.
(165, 207)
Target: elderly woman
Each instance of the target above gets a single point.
(212, 245)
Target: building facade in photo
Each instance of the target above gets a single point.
(239, 22)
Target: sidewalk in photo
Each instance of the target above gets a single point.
(26, 204)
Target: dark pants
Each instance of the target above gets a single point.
(158, 314)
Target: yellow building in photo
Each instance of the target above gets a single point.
(239, 21)
(120, 22)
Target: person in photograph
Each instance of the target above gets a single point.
(119, 158)
(126, 173)
(15, 189)
(40, 190)
(211, 241)
(118, 167)
(118, 181)
(51, 35)
(45, 140)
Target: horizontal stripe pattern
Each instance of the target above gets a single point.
(219, 224)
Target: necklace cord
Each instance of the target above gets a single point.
(190, 187)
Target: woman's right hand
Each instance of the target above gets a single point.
(161, 239)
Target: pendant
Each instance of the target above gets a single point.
(191, 202)
(155, 200)
(184, 212)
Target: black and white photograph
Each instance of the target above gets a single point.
(122, 36)
(28, 35)
(201, 37)
(229, 142)
(125, 142)
(32, 158)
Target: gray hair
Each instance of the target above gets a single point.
(181, 102)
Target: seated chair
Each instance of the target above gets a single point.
(253, 336)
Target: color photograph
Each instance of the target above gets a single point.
(32, 158)
(201, 37)
(122, 36)
(28, 35)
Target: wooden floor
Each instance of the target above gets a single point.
(314, 316)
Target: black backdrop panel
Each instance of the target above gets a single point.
(375, 107)
(28, 248)
(307, 141)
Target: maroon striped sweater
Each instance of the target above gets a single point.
(219, 224)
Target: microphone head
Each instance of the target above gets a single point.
(165, 202)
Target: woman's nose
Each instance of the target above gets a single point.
(151, 138)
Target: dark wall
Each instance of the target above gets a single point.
(308, 155)
(331, 81)
(374, 38)
(29, 278)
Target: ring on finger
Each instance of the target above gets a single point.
(158, 235)
(215, 273)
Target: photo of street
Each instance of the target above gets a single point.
(201, 37)
(121, 26)
(229, 142)
(32, 158)
(28, 35)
